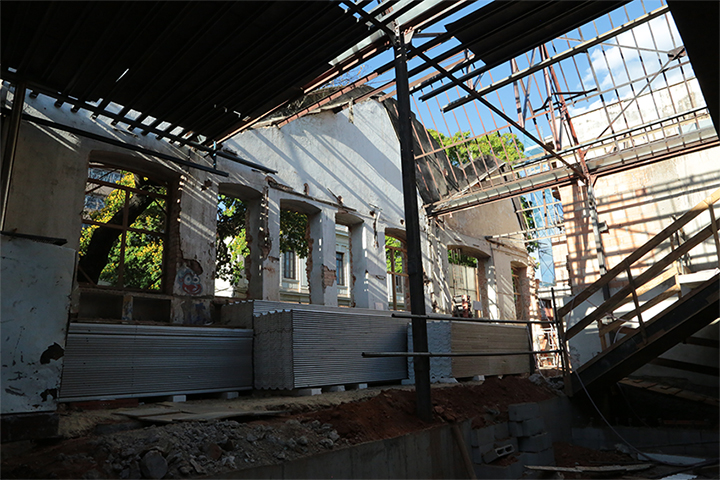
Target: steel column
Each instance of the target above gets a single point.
(412, 228)
(8, 157)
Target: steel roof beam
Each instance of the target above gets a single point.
(547, 62)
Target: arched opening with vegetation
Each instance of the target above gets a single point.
(397, 274)
(467, 282)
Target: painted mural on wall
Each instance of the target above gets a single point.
(188, 278)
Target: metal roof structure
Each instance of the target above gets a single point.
(203, 66)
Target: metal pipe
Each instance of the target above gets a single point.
(453, 354)
(461, 319)
(11, 138)
(118, 143)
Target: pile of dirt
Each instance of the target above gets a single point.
(392, 412)
(192, 449)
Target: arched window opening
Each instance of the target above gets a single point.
(124, 229)
(231, 248)
(398, 287)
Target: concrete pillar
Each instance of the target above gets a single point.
(492, 289)
(368, 267)
(258, 241)
(321, 261)
(270, 258)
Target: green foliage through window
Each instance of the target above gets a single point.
(456, 257)
(111, 251)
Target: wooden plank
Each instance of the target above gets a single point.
(605, 469)
(648, 274)
(211, 415)
(146, 412)
(640, 252)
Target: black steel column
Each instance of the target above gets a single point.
(8, 154)
(412, 223)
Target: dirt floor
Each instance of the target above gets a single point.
(104, 444)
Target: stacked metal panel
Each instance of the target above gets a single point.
(303, 348)
(458, 337)
(240, 313)
(483, 337)
(105, 361)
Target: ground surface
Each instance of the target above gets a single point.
(311, 426)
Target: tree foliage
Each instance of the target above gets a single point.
(456, 257)
(232, 247)
(504, 147)
(101, 247)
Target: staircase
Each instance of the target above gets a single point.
(634, 347)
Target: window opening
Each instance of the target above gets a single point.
(289, 266)
(464, 284)
(124, 229)
(231, 247)
(340, 268)
(396, 259)
(517, 274)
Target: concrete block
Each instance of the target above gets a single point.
(523, 411)
(478, 378)
(482, 436)
(358, 386)
(515, 429)
(229, 395)
(490, 456)
(505, 450)
(507, 441)
(334, 388)
(502, 431)
(533, 426)
(306, 392)
(176, 398)
(536, 443)
(544, 457)
(479, 452)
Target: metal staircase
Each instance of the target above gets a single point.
(631, 348)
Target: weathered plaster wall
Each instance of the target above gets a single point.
(36, 284)
(48, 185)
(358, 160)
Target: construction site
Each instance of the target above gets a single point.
(360, 239)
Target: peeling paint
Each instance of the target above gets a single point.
(47, 393)
(14, 391)
(53, 352)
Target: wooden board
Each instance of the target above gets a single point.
(478, 337)
(210, 416)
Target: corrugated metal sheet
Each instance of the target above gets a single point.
(302, 348)
(116, 361)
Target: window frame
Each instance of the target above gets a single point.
(92, 184)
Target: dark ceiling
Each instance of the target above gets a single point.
(503, 30)
(203, 66)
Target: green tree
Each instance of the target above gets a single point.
(232, 247)
(231, 244)
(505, 147)
(101, 247)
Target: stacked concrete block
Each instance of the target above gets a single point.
(534, 443)
(489, 444)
